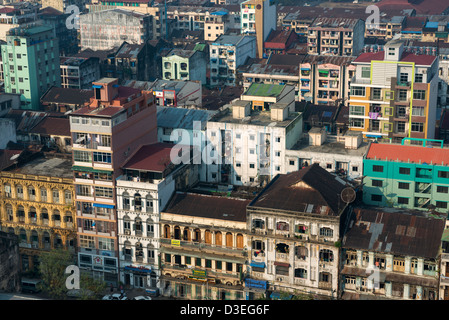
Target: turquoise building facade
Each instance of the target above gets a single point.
(30, 63)
(413, 184)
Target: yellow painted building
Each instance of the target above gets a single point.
(36, 203)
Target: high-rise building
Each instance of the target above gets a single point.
(394, 94)
(30, 63)
(258, 17)
(115, 122)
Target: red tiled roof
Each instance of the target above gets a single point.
(421, 6)
(405, 153)
(53, 126)
(420, 59)
(7, 10)
(152, 157)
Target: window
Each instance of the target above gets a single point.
(87, 242)
(326, 232)
(81, 156)
(419, 78)
(419, 94)
(400, 127)
(404, 185)
(403, 77)
(102, 157)
(377, 93)
(417, 127)
(55, 194)
(418, 111)
(404, 170)
(443, 174)
(356, 123)
(19, 190)
(358, 91)
(376, 197)
(441, 204)
(377, 168)
(366, 72)
(442, 189)
(402, 200)
(377, 183)
(356, 110)
(103, 192)
(402, 95)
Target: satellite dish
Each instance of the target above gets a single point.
(14, 157)
(348, 195)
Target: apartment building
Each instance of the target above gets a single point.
(391, 254)
(31, 63)
(183, 64)
(336, 36)
(247, 141)
(194, 18)
(107, 130)
(108, 29)
(156, 10)
(326, 79)
(16, 15)
(406, 176)
(342, 154)
(147, 184)
(203, 247)
(38, 205)
(79, 73)
(217, 24)
(295, 226)
(227, 53)
(394, 94)
(258, 17)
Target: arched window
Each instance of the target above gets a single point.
(240, 243)
(186, 234)
(149, 203)
(326, 255)
(68, 219)
(137, 202)
(177, 233)
(127, 225)
(139, 252)
(282, 226)
(9, 212)
(282, 248)
(57, 218)
(68, 196)
(138, 226)
(218, 238)
(125, 198)
(31, 193)
(44, 216)
(19, 191)
(326, 232)
(32, 214)
(127, 251)
(208, 237)
(7, 188)
(21, 213)
(301, 252)
(57, 241)
(34, 239)
(23, 236)
(167, 231)
(44, 194)
(197, 235)
(229, 242)
(55, 194)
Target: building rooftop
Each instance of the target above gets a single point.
(180, 53)
(338, 23)
(418, 59)
(273, 69)
(286, 59)
(206, 206)
(310, 190)
(331, 148)
(395, 231)
(152, 157)
(231, 40)
(67, 96)
(408, 154)
(421, 7)
(181, 118)
(47, 166)
(264, 90)
(53, 126)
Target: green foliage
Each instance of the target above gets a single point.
(52, 267)
(90, 288)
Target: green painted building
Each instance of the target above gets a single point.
(30, 63)
(406, 176)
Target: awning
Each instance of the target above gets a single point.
(282, 264)
(138, 269)
(100, 205)
(257, 264)
(256, 284)
(96, 86)
(324, 71)
(88, 169)
(277, 296)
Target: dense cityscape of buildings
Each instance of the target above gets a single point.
(229, 149)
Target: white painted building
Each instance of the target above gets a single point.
(247, 141)
(143, 191)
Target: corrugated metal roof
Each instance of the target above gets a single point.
(180, 118)
(396, 231)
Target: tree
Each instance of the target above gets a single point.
(90, 288)
(52, 267)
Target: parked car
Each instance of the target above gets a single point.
(141, 298)
(115, 296)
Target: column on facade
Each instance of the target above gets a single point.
(389, 262)
(371, 260)
(26, 209)
(359, 258)
(15, 209)
(407, 265)
(420, 266)
(406, 291)
(388, 289)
